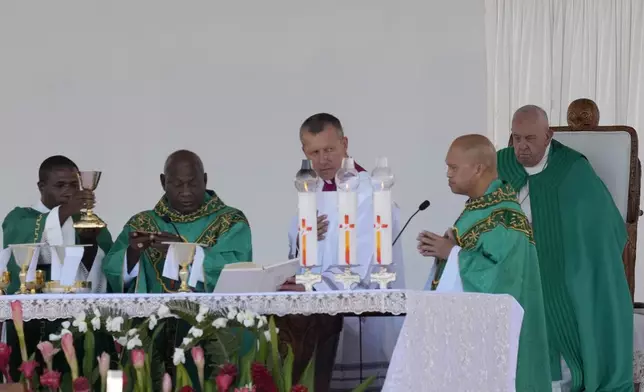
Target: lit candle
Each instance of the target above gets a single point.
(382, 179)
(306, 184)
(347, 182)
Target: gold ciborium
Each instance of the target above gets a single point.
(184, 255)
(89, 181)
(5, 282)
(23, 254)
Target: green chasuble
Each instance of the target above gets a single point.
(498, 256)
(580, 236)
(223, 229)
(26, 226)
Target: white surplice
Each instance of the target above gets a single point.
(379, 334)
(55, 234)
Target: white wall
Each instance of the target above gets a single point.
(119, 85)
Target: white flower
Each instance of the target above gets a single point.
(163, 312)
(54, 337)
(134, 342)
(66, 324)
(115, 324)
(122, 340)
(132, 332)
(267, 335)
(196, 332)
(64, 332)
(97, 313)
(186, 341)
(261, 321)
(200, 318)
(81, 325)
(203, 310)
(153, 322)
(178, 357)
(247, 318)
(220, 322)
(232, 313)
(96, 323)
(80, 316)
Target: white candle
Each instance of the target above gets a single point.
(308, 228)
(382, 217)
(347, 239)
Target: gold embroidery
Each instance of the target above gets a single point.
(211, 206)
(37, 230)
(508, 218)
(220, 226)
(504, 193)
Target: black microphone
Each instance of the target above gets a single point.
(167, 219)
(422, 207)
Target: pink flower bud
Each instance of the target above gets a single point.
(48, 351)
(198, 356)
(103, 365)
(138, 359)
(167, 383)
(67, 342)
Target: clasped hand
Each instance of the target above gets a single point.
(141, 241)
(434, 245)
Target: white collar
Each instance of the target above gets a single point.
(539, 167)
(40, 207)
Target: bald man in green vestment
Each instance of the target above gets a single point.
(580, 237)
(187, 212)
(491, 250)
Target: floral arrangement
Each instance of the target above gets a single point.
(213, 343)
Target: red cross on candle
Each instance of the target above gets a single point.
(303, 230)
(347, 238)
(378, 226)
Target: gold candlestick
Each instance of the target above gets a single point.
(383, 277)
(23, 278)
(5, 282)
(308, 279)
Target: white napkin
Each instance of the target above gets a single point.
(33, 266)
(171, 266)
(57, 260)
(69, 268)
(5, 255)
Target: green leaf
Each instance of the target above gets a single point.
(66, 382)
(262, 352)
(363, 387)
(245, 367)
(275, 355)
(223, 348)
(95, 376)
(183, 379)
(210, 386)
(88, 356)
(288, 369)
(185, 310)
(308, 376)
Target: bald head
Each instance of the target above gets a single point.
(583, 113)
(531, 134)
(471, 165)
(184, 181)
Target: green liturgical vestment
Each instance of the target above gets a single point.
(498, 256)
(580, 236)
(223, 229)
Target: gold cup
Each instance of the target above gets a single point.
(184, 253)
(89, 181)
(23, 254)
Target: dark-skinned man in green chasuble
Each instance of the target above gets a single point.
(51, 220)
(491, 250)
(187, 212)
(580, 237)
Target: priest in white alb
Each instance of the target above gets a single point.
(324, 143)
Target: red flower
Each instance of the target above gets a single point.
(28, 368)
(262, 379)
(81, 384)
(50, 379)
(5, 354)
(187, 389)
(229, 369)
(299, 388)
(224, 381)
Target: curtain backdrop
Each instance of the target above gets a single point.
(550, 52)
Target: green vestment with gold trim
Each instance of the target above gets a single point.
(580, 236)
(223, 229)
(498, 256)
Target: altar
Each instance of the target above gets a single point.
(458, 341)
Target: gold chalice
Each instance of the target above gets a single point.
(23, 254)
(89, 181)
(5, 282)
(184, 254)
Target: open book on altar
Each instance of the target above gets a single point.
(255, 278)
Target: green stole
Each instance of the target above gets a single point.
(580, 237)
(220, 227)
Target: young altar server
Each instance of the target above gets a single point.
(324, 143)
(51, 220)
(491, 250)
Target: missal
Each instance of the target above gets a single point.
(251, 277)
